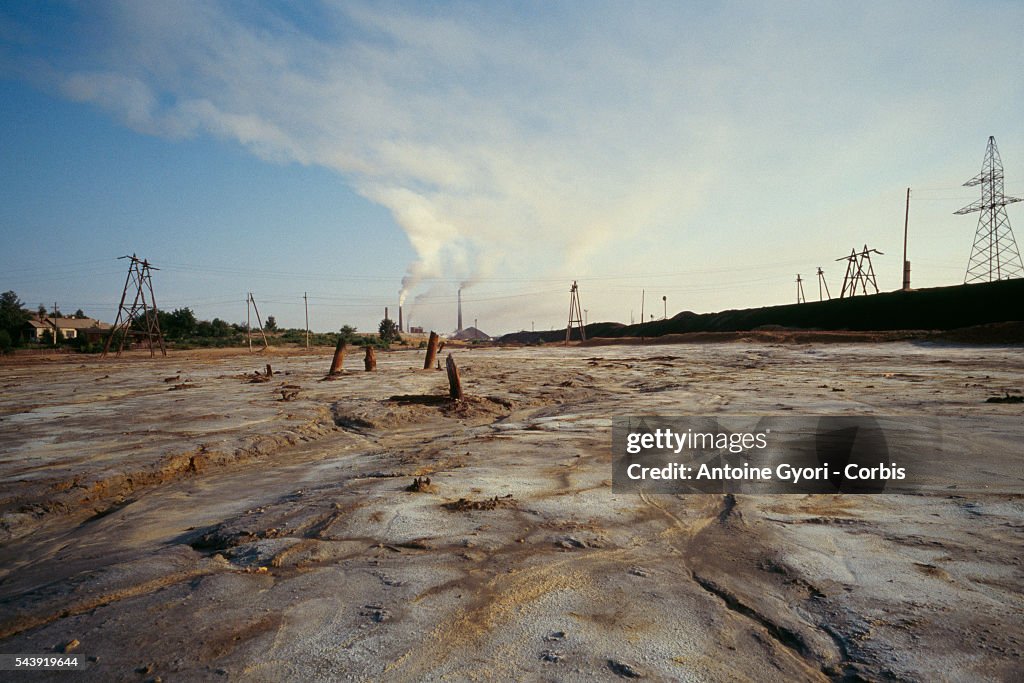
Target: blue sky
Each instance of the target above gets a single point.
(706, 152)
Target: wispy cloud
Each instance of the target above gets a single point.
(542, 139)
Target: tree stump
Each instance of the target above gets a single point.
(370, 361)
(270, 371)
(454, 381)
(431, 350)
(339, 358)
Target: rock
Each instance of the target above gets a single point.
(623, 669)
(378, 613)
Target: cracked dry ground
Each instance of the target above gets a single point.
(222, 533)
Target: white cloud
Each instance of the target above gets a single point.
(545, 143)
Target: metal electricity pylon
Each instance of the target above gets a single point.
(800, 298)
(575, 314)
(994, 255)
(857, 274)
(141, 313)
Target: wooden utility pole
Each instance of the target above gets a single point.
(305, 301)
(906, 263)
(822, 283)
(575, 314)
(248, 324)
(266, 344)
(53, 318)
(800, 298)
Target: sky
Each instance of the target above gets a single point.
(676, 156)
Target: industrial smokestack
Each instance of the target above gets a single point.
(400, 318)
(459, 326)
(386, 313)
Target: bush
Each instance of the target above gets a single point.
(5, 342)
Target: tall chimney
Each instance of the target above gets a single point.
(400, 318)
(385, 312)
(459, 326)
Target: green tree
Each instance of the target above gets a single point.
(220, 328)
(47, 337)
(12, 315)
(270, 325)
(178, 324)
(348, 333)
(80, 313)
(388, 331)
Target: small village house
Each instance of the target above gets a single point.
(42, 329)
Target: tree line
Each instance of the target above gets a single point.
(183, 329)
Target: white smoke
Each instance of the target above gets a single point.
(526, 145)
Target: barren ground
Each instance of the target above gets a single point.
(183, 522)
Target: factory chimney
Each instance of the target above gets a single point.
(400, 318)
(459, 326)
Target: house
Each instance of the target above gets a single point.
(70, 328)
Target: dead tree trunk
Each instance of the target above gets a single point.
(431, 350)
(270, 371)
(339, 358)
(454, 381)
(370, 361)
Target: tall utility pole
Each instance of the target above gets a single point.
(305, 301)
(259, 321)
(664, 300)
(822, 283)
(141, 311)
(56, 327)
(994, 255)
(800, 298)
(906, 263)
(248, 325)
(575, 314)
(642, 293)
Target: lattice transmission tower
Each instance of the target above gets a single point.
(575, 314)
(859, 272)
(142, 312)
(994, 255)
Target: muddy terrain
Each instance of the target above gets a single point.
(191, 518)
